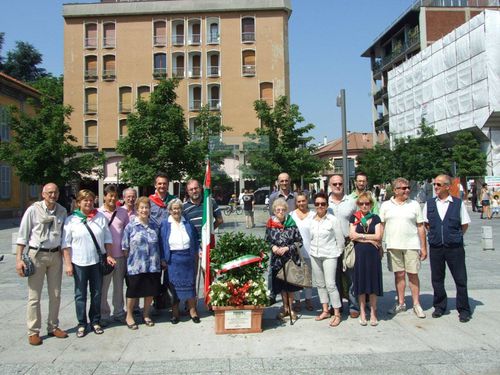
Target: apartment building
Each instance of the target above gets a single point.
(422, 24)
(227, 54)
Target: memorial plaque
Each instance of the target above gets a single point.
(237, 319)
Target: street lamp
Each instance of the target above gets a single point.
(345, 172)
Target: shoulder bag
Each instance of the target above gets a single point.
(293, 274)
(105, 267)
(349, 256)
(29, 267)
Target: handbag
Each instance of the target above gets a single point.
(29, 267)
(293, 274)
(105, 267)
(349, 256)
(167, 297)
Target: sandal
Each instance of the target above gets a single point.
(132, 326)
(335, 321)
(148, 322)
(324, 315)
(97, 329)
(282, 314)
(297, 306)
(309, 305)
(81, 332)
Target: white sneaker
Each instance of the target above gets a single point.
(417, 309)
(397, 308)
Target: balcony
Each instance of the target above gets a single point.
(108, 74)
(90, 108)
(178, 40)
(90, 75)
(248, 37)
(178, 72)
(195, 105)
(380, 94)
(213, 38)
(90, 43)
(195, 39)
(109, 42)
(195, 72)
(248, 70)
(159, 40)
(213, 71)
(214, 104)
(125, 107)
(159, 73)
(90, 141)
(398, 50)
(382, 124)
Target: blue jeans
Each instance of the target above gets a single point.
(87, 276)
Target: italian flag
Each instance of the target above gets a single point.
(207, 229)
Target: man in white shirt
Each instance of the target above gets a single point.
(404, 234)
(446, 220)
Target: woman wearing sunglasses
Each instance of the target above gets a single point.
(327, 243)
(366, 232)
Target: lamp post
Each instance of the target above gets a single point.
(345, 172)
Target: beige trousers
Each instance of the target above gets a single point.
(50, 265)
(118, 277)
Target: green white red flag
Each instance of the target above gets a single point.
(207, 229)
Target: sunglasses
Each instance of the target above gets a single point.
(364, 203)
(438, 184)
(320, 204)
(337, 184)
(403, 188)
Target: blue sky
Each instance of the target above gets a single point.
(327, 38)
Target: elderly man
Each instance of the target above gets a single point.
(41, 230)
(160, 198)
(361, 183)
(406, 245)
(129, 198)
(446, 220)
(343, 207)
(193, 207)
(117, 221)
(284, 192)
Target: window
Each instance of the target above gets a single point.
(5, 182)
(108, 71)
(143, 93)
(34, 191)
(178, 32)
(213, 67)
(194, 64)
(248, 30)
(4, 124)
(178, 64)
(214, 97)
(266, 93)
(123, 130)
(213, 36)
(90, 68)
(90, 35)
(194, 32)
(159, 33)
(160, 66)
(194, 98)
(108, 35)
(125, 97)
(90, 138)
(90, 101)
(248, 68)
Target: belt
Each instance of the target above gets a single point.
(55, 249)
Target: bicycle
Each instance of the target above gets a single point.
(230, 209)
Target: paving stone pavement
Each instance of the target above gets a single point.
(400, 344)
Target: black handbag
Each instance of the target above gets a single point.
(105, 267)
(167, 297)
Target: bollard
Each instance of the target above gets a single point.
(14, 242)
(487, 238)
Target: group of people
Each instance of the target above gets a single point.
(319, 238)
(143, 240)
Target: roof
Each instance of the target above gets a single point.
(355, 142)
(19, 85)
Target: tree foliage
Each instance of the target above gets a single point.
(2, 36)
(280, 145)
(379, 163)
(157, 139)
(466, 153)
(42, 147)
(23, 63)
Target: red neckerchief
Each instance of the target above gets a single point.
(358, 215)
(274, 224)
(157, 200)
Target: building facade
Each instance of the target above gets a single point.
(226, 55)
(422, 24)
(15, 196)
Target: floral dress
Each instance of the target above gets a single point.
(283, 234)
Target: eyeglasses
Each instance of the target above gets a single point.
(280, 210)
(438, 184)
(403, 188)
(320, 204)
(283, 181)
(337, 184)
(364, 203)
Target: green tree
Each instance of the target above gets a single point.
(157, 138)
(22, 63)
(2, 36)
(467, 154)
(280, 145)
(379, 164)
(42, 147)
(51, 86)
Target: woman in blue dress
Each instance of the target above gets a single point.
(140, 245)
